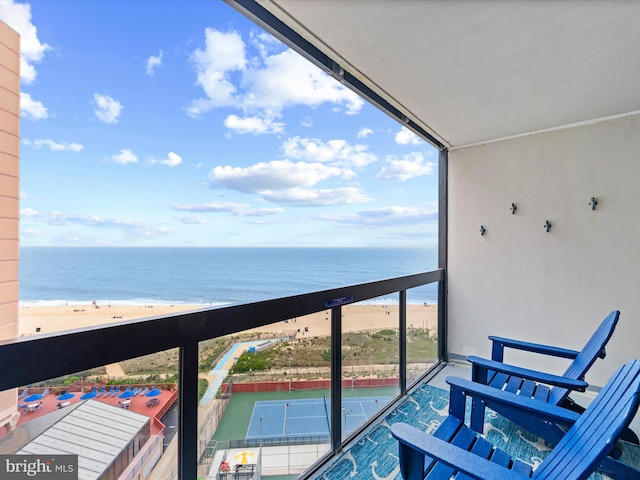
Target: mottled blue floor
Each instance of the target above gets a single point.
(374, 456)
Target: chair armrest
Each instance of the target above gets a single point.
(492, 396)
(499, 343)
(414, 441)
(479, 363)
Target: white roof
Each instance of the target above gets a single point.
(93, 430)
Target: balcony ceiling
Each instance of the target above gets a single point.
(470, 72)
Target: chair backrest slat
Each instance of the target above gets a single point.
(595, 433)
(587, 356)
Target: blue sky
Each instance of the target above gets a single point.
(181, 123)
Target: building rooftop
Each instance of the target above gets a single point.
(95, 431)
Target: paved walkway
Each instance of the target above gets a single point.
(221, 370)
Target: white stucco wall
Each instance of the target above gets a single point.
(520, 281)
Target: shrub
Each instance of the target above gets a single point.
(249, 362)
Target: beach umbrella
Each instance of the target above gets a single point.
(33, 398)
(128, 394)
(153, 393)
(244, 457)
(66, 396)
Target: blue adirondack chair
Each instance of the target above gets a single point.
(544, 420)
(455, 450)
(532, 383)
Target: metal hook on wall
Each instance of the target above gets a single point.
(513, 208)
(482, 230)
(547, 225)
(593, 202)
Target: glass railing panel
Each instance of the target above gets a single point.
(422, 331)
(115, 421)
(297, 367)
(370, 360)
(264, 399)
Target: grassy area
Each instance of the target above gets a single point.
(421, 346)
(166, 362)
(235, 421)
(210, 350)
(203, 385)
(363, 348)
(359, 348)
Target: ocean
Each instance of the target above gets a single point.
(213, 276)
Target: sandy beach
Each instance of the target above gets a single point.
(47, 319)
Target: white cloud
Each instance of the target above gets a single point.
(389, 216)
(31, 232)
(254, 125)
(172, 160)
(262, 212)
(301, 197)
(407, 137)
(223, 53)
(287, 79)
(334, 152)
(192, 220)
(53, 146)
(364, 132)
(211, 207)
(265, 44)
(124, 157)
(132, 229)
(288, 182)
(270, 176)
(60, 218)
(239, 209)
(410, 166)
(30, 108)
(27, 196)
(107, 109)
(265, 83)
(28, 212)
(153, 62)
(18, 17)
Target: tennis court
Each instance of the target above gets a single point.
(288, 419)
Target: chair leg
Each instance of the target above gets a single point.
(411, 463)
(477, 415)
(457, 402)
(479, 375)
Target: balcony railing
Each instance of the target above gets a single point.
(35, 359)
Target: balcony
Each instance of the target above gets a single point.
(538, 122)
(40, 358)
